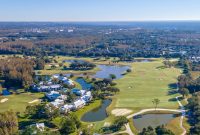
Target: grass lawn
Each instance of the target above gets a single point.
(18, 102)
(147, 81)
(195, 74)
(174, 126)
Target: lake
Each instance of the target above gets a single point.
(106, 70)
(84, 84)
(152, 120)
(97, 114)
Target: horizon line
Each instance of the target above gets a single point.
(122, 21)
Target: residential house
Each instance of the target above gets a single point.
(87, 97)
(78, 92)
(57, 103)
(64, 79)
(80, 103)
(66, 108)
(47, 88)
(52, 95)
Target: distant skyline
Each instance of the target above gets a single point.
(99, 10)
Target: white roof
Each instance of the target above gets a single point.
(40, 126)
(79, 102)
(62, 97)
(55, 86)
(83, 92)
(52, 92)
(88, 93)
(57, 103)
(67, 107)
(43, 87)
(59, 100)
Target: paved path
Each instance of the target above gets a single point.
(128, 130)
(182, 116)
(152, 109)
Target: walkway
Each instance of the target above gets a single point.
(182, 116)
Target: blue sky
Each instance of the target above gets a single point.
(99, 10)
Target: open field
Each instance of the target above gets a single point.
(18, 102)
(147, 81)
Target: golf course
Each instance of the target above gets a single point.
(147, 81)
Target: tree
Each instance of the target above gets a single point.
(94, 79)
(74, 118)
(184, 92)
(194, 108)
(112, 76)
(156, 102)
(112, 89)
(55, 80)
(41, 111)
(120, 121)
(60, 64)
(87, 131)
(17, 71)
(71, 75)
(29, 130)
(9, 123)
(128, 70)
(39, 64)
(68, 126)
(71, 97)
(148, 131)
(161, 130)
(53, 66)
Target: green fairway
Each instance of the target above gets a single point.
(147, 81)
(18, 102)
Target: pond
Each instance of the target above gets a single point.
(106, 70)
(42, 77)
(72, 61)
(97, 114)
(140, 60)
(6, 92)
(84, 84)
(152, 120)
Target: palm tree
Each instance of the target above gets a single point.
(156, 101)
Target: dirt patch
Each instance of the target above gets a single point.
(4, 100)
(121, 112)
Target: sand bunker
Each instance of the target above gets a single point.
(121, 112)
(4, 100)
(31, 102)
(107, 124)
